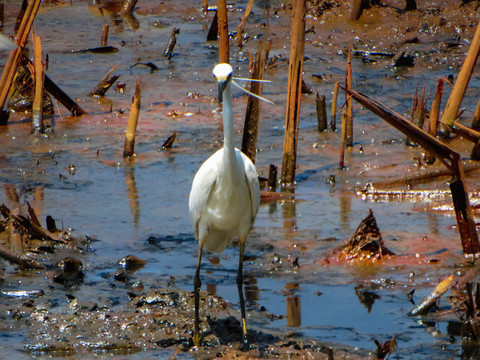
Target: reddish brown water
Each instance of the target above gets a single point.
(122, 203)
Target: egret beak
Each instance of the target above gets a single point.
(222, 84)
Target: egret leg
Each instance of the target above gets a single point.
(197, 283)
(240, 293)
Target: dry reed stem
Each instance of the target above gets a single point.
(295, 69)
(132, 122)
(321, 112)
(476, 116)
(14, 57)
(39, 76)
(252, 114)
(105, 83)
(458, 92)
(341, 163)
(357, 9)
(241, 25)
(433, 119)
(223, 41)
(349, 101)
(333, 115)
(104, 40)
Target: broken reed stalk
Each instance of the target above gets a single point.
(252, 114)
(450, 158)
(458, 92)
(212, 34)
(132, 122)
(418, 112)
(357, 9)
(24, 263)
(104, 41)
(38, 76)
(321, 112)
(333, 115)
(433, 118)
(2, 15)
(20, 16)
(59, 94)
(272, 176)
(241, 25)
(469, 134)
(464, 213)
(171, 43)
(295, 69)
(349, 101)
(223, 43)
(249, 140)
(341, 163)
(476, 117)
(128, 6)
(14, 58)
(105, 83)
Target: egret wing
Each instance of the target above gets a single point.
(253, 185)
(202, 185)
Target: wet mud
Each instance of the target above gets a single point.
(120, 283)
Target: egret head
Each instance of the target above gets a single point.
(223, 75)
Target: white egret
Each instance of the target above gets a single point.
(225, 197)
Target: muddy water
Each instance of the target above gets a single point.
(139, 207)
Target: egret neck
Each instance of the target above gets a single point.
(229, 155)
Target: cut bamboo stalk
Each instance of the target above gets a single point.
(433, 119)
(341, 163)
(132, 122)
(223, 41)
(458, 92)
(252, 114)
(14, 57)
(241, 25)
(38, 76)
(295, 70)
(333, 115)
(104, 41)
(349, 101)
(321, 112)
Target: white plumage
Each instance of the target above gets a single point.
(225, 196)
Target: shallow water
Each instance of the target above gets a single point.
(139, 207)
